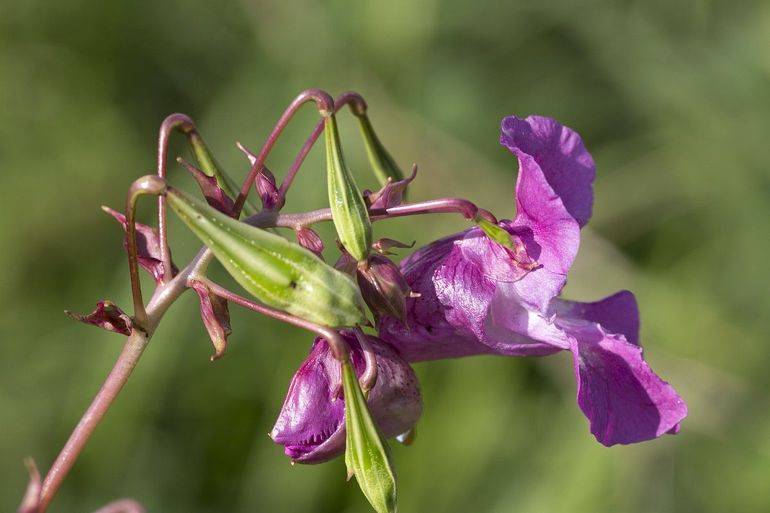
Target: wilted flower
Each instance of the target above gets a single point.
(311, 425)
(107, 315)
(478, 297)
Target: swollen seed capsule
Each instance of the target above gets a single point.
(351, 219)
(279, 273)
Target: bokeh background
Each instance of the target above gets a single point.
(671, 97)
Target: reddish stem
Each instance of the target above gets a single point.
(325, 105)
(133, 349)
(438, 206)
(357, 105)
(150, 184)
(186, 125)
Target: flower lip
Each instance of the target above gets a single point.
(317, 447)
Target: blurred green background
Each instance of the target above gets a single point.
(671, 97)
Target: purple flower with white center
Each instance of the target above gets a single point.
(478, 297)
(311, 425)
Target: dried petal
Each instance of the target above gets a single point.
(107, 316)
(147, 245)
(391, 194)
(216, 318)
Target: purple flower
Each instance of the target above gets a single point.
(478, 297)
(311, 425)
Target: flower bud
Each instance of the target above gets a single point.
(311, 425)
(215, 195)
(383, 287)
(279, 273)
(309, 239)
(351, 218)
(215, 316)
(267, 189)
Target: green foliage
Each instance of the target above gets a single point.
(672, 99)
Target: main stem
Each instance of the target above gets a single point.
(120, 373)
(135, 345)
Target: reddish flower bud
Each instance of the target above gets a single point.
(267, 189)
(309, 239)
(383, 287)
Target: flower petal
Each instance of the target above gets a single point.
(559, 154)
(624, 400)
(311, 422)
(617, 313)
(554, 197)
(435, 328)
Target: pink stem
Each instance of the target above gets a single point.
(445, 205)
(325, 105)
(133, 349)
(187, 126)
(150, 184)
(357, 105)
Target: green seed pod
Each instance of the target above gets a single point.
(367, 455)
(279, 273)
(351, 219)
(382, 163)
